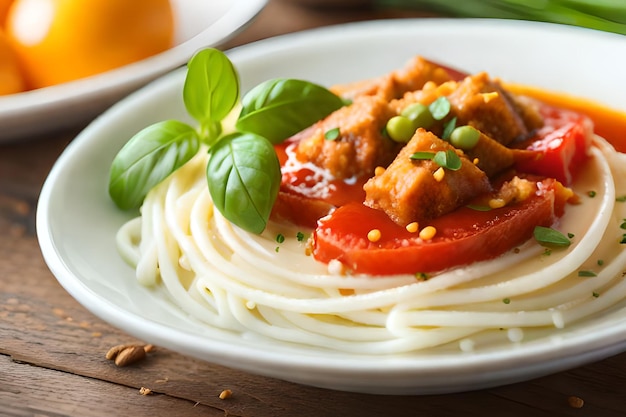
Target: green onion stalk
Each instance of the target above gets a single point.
(604, 15)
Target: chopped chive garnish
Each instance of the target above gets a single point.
(623, 241)
(621, 199)
(570, 235)
(595, 294)
(300, 236)
(591, 193)
(280, 238)
(439, 108)
(587, 274)
(550, 237)
(448, 128)
(332, 134)
(506, 301)
(479, 207)
(423, 155)
(277, 249)
(600, 262)
(623, 225)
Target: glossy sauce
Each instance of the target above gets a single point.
(608, 123)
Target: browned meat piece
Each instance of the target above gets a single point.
(361, 145)
(492, 156)
(408, 191)
(482, 103)
(429, 93)
(412, 77)
(528, 110)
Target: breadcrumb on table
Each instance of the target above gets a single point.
(225, 394)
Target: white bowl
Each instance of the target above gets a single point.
(199, 23)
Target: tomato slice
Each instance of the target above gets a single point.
(562, 145)
(463, 236)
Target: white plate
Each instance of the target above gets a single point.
(199, 23)
(77, 221)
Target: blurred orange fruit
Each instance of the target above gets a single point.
(4, 8)
(63, 40)
(11, 80)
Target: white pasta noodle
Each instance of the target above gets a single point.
(228, 278)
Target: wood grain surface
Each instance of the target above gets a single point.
(52, 350)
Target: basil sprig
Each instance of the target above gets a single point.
(148, 158)
(277, 109)
(211, 90)
(243, 172)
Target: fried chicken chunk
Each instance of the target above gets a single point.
(417, 72)
(360, 145)
(482, 103)
(408, 190)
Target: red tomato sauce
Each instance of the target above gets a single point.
(465, 235)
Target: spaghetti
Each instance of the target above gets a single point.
(261, 286)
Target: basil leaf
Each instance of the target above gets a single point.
(148, 158)
(548, 236)
(211, 88)
(243, 174)
(277, 109)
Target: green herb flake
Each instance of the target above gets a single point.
(440, 108)
(277, 249)
(623, 225)
(621, 199)
(280, 238)
(332, 134)
(570, 235)
(595, 294)
(422, 276)
(587, 274)
(448, 159)
(591, 193)
(623, 241)
(300, 236)
(506, 300)
(550, 237)
(421, 156)
(600, 262)
(448, 128)
(478, 207)
(547, 252)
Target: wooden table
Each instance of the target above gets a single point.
(52, 350)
